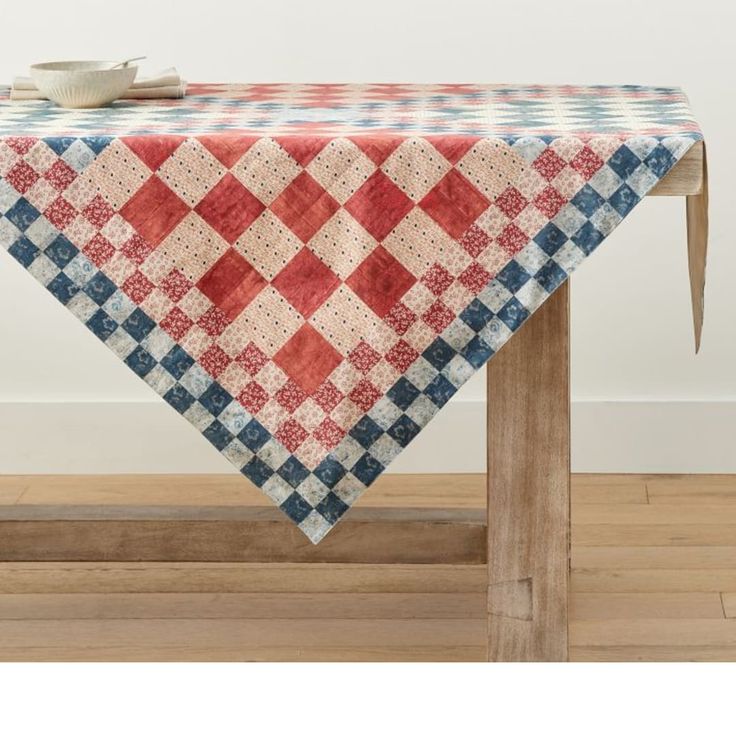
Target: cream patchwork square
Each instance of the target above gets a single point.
(491, 166)
(41, 157)
(415, 167)
(417, 241)
(266, 169)
(341, 168)
(191, 171)
(268, 244)
(270, 320)
(342, 244)
(193, 247)
(117, 173)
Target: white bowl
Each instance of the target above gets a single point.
(82, 83)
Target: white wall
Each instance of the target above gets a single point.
(643, 400)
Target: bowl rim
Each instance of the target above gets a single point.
(52, 66)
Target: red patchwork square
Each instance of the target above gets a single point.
(176, 285)
(586, 162)
(99, 250)
(253, 397)
(98, 212)
(512, 239)
(252, 359)
(400, 318)
(379, 205)
(22, 177)
(213, 322)
(176, 323)
(20, 144)
(329, 434)
(290, 396)
(401, 356)
(60, 175)
(364, 395)
(363, 357)
(60, 213)
(304, 206)
(549, 202)
(511, 202)
(307, 358)
(380, 281)
(306, 282)
(327, 396)
(438, 316)
(475, 278)
(154, 210)
(232, 283)
(437, 279)
(137, 249)
(137, 287)
(475, 241)
(229, 208)
(454, 204)
(291, 435)
(549, 164)
(214, 360)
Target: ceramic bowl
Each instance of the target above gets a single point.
(82, 83)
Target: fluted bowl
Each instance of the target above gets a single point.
(82, 83)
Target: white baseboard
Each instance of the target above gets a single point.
(148, 437)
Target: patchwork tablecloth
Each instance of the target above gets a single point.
(308, 273)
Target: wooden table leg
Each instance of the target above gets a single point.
(529, 489)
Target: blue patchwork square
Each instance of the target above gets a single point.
(215, 399)
(177, 361)
(366, 431)
(623, 200)
(138, 325)
(404, 430)
(98, 143)
(513, 314)
(102, 324)
(332, 507)
(476, 315)
(22, 214)
(477, 352)
(141, 361)
(439, 353)
(256, 471)
(254, 435)
(624, 162)
(218, 434)
(660, 160)
(99, 288)
(330, 471)
(367, 469)
(513, 276)
(550, 239)
(440, 390)
(61, 251)
(403, 393)
(550, 276)
(24, 251)
(178, 397)
(588, 238)
(587, 200)
(296, 508)
(62, 287)
(59, 144)
(293, 472)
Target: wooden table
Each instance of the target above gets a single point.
(525, 536)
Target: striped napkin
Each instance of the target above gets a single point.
(167, 83)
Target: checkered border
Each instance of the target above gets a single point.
(316, 500)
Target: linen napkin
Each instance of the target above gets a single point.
(166, 84)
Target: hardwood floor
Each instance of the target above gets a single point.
(653, 578)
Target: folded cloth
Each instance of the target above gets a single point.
(165, 84)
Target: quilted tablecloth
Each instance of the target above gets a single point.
(308, 273)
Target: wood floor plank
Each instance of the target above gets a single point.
(152, 577)
(653, 581)
(606, 606)
(655, 632)
(729, 604)
(204, 606)
(627, 558)
(653, 654)
(653, 535)
(589, 488)
(689, 489)
(637, 514)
